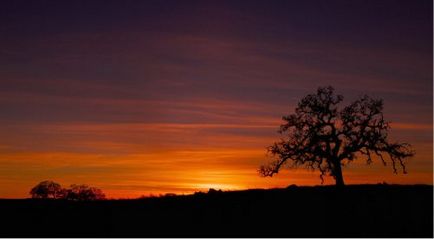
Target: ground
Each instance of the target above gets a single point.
(323, 211)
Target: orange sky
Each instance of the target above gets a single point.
(135, 159)
(145, 97)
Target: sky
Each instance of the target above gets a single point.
(153, 97)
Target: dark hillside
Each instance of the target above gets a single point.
(355, 211)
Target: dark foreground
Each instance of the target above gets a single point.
(356, 211)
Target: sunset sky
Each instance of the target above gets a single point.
(152, 97)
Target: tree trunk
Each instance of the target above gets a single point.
(338, 174)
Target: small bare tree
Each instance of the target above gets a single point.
(321, 136)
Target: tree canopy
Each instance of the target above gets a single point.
(84, 193)
(81, 192)
(320, 135)
(46, 189)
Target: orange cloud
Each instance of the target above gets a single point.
(137, 113)
(411, 126)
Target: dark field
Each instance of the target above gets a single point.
(355, 211)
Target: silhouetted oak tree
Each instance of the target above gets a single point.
(46, 189)
(319, 135)
(83, 192)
